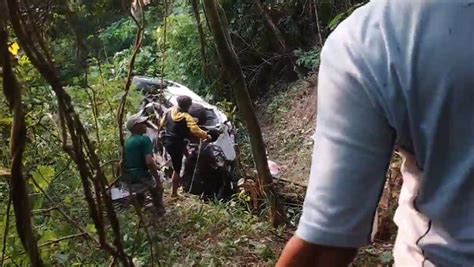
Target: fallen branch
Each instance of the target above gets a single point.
(291, 182)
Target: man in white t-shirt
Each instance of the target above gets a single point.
(395, 73)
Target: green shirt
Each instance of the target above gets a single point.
(136, 148)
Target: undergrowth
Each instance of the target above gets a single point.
(194, 233)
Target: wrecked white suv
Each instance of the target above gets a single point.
(209, 167)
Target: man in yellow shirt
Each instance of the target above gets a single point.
(179, 125)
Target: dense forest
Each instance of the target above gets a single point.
(67, 69)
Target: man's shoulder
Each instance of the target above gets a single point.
(137, 139)
(144, 139)
(362, 24)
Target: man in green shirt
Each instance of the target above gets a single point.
(140, 171)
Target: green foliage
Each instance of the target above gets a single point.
(92, 53)
(309, 59)
(217, 233)
(46, 163)
(183, 59)
(342, 16)
(230, 110)
(118, 36)
(43, 176)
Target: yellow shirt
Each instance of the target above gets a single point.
(177, 116)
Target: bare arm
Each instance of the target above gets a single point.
(300, 253)
(353, 145)
(153, 168)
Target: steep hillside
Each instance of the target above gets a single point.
(288, 117)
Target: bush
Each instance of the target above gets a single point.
(308, 59)
(183, 59)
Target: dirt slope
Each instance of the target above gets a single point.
(288, 121)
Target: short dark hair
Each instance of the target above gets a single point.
(184, 102)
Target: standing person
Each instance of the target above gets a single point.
(394, 73)
(140, 171)
(179, 125)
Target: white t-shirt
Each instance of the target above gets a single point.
(397, 72)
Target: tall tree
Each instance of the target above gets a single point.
(233, 71)
(202, 39)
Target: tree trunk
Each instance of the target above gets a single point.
(233, 70)
(270, 25)
(19, 188)
(273, 28)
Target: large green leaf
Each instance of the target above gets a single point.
(47, 236)
(43, 176)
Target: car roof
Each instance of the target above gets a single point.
(172, 90)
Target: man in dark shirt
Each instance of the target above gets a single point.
(198, 112)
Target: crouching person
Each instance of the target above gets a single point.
(140, 172)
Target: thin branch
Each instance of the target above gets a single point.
(62, 239)
(165, 33)
(55, 241)
(63, 213)
(292, 182)
(145, 228)
(137, 240)
(102, 80)
(36, 32)
(41, 211)
(136, 50)
(93, 103)
(316, 14)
